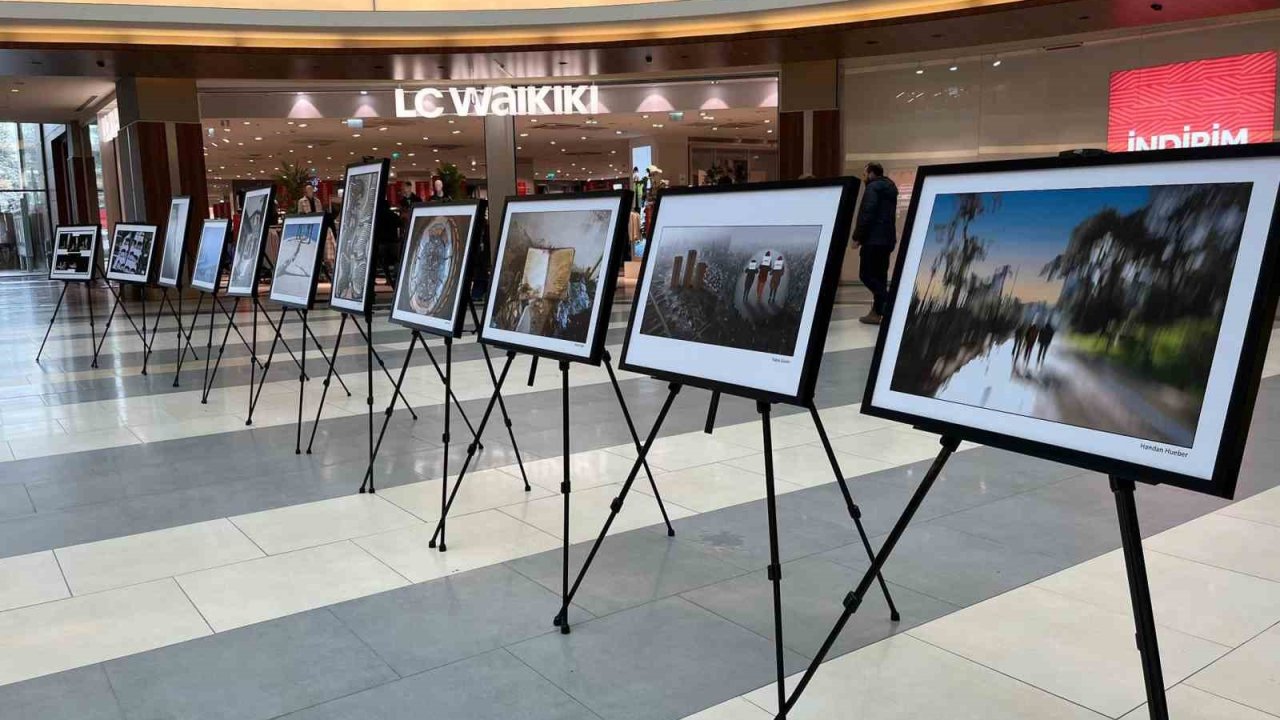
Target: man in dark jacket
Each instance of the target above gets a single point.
(875, 235)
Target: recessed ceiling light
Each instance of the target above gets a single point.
(355, 134)
(456, 132)
(246, 122)
(617, 132)
(258, 138)
(364, 92)
(553, 142)
(533, 119)
(240, 144)
(450, 121)
(584, 137)
(524, 134)
(997, 62)
(954, 68)
(290, 122)
(919, 71)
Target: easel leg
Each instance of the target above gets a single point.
(279, 330)
(440, 374)
(1140, 596)
(615, 507)
(146, 344)
(323, 356)
(368, 400)
(328, 375)
(255, 395)
(367, 483)
(854, 511)
(565, 488)
(775, 565)
(155, 325)
(302, 385)
(444, 439)
(854, 599)
(106, 329)
(93, 330)
(221, 349)
(48, 330)
(711, 412)
(184, 335)
(208, 357)
(368, 338)
(471, 448)
(635, 440)
(231, 320)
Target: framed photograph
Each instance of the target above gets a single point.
(353, 264)
(132, 248)
(298, 260)
(175, 241)
(250, 242)
(1110, 313)
(557, 265)
(435, 272)
(75, 249)
(207, 273)
(737, 285)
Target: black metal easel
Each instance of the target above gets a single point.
(142, 334)
(1144, 621)
(93, 331)
(184, 335)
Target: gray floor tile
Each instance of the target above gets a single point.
(1038, 525)
(80, 694)
(259, 671)
(661, 661)
(813, 590)
(432, 624)
(14, 501)
(631, 568)
(950, 565)
(493, 686)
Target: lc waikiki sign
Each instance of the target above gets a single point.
(1221, 101)
(500, 100)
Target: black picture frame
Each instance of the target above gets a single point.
(94, 255)
(608, 284)
(1248, 372)
(268, 212)
(182, 247)
(325, 224)
(222, 245)
(841, 231)
(380, 187)
(146, 277)
(474, 239)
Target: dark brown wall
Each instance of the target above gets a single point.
(153, 161)
(826, 143)
(790, 145)
(191, 179)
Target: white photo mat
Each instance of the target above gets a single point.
(1198, 460)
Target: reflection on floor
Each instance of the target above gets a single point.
(158, 558)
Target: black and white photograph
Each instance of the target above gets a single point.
(353, 265)
(74, 248)
(208, 269)
(1095, 308)
(737, 286)
(175, 239)
(433, 284)
(132, 248)
(554, 261)
(250, 237)
(298, 260)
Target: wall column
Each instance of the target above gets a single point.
(500, 169)
(82, 182)
(809, 119)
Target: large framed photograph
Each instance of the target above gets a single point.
(1111, 313)
(435, 271)
(250, 242)
(556, 268)
(353, 264)
(298, 260)
(207, 272)
(132, 248)
(737, 285)
(75, 250)
(175, 241)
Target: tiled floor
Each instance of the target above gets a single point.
(158, 558)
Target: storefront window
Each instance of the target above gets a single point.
(24, 216)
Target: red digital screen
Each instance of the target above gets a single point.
(1220, 101)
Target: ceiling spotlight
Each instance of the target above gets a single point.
(996, 62)
(246, 122)
(259, 138)
(355, 134)
(617, 132)
(919, 71)
(302, 125)
(364, 92)
(450, 121)
(382, 129)
(532, 120)
(455, 132)
(524, 134)
(584, 137)
(954, 68)
(553, 142)
(290, 122)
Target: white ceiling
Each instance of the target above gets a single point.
(50, 99)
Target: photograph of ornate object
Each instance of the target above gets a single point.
(434, 279)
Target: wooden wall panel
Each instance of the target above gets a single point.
(827, 161)
(153, 163)
(192, 181)
(790, 145)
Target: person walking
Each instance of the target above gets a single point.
(309, 203)
(875, 236)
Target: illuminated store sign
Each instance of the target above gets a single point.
(1222, 101)
(499, 100)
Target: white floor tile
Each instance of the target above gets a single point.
(473, 541)
(6, 454)
(481, 490)
(710, 487)
(175, 429)
(1201, 600)
(839, 421)
(1188, 703)
(1263, 507)
(236, 595)
(133, 559)
(65, 634)
(75, 442)
(37, 429)
(30, 579)
(735, 709)
(751, 435)
(1250, 675)
(589, 509)
(677, 452)
(895, 445)
(904, 679)
(808, 465)
(1070, 648)
(1227, 542)
(588, 469)
(322, 522)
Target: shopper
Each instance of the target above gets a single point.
(875, 235)
(408, 198)
(309, 203)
